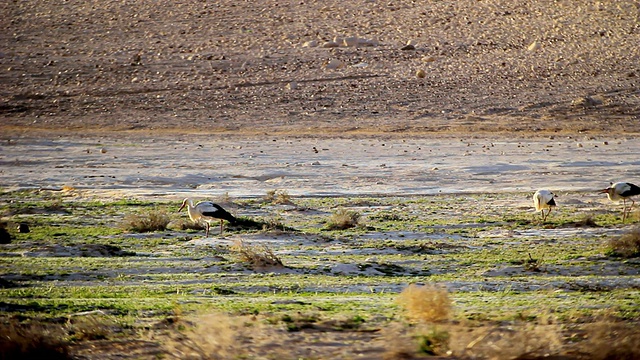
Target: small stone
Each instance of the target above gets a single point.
(367, 42)
(311, 43)
(292, 85)
(533, 46)
(428, 59)
(408, 47)
(334, 64)
(103, 151)
(421, 74)
(351, 41)
(330, 44)
(605, 143)
(579, 145)
(586, 101)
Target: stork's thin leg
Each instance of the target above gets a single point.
(548, 212)
(627, 210)
(206, 233)
(221, 221)
(624, 210)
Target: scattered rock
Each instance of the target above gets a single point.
(533, 46)
(136, 60)
(334, 64)
(586, 101)
(351, 41)
(103, 151)
(428, 59)
(408, 47)
(330, 44)
(421, 74)
(311, 43)
(292, 85)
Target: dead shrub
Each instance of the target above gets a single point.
(608, 340)
(516, 341)
(214, 336)
(342, 219)
(34, 341)
(428, 303)
(153, 221)
(277, 197)
(91, 327)
(434, 341)
(257, 257)
(626, 245)
(532, 264)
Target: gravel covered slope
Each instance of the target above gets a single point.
(243, 67)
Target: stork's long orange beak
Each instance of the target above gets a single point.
(181, 207)
(603, 191)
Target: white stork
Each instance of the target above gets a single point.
(207, 211)
(622, 191)
(544, 199)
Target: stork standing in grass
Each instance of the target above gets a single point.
(622, 191)
(206, 211)
(544, 199)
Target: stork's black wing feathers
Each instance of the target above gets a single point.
(220, 213)
(633, 190)
(551, 202)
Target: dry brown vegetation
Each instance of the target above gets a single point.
(342, 219)
(152, 221)
(626, 245)
(257, 257)
(32, 341)
(277, 197)
(209, 336)
(426, 304)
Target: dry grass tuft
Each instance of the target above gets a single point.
(277, 197)
(153, 221)
(214, 336)
(532, 264)
(428, 303)
(257, 257)
(627, 245)
(32, 342)
(82, 328)
(342, 219)
(519, 341)
(611, 340)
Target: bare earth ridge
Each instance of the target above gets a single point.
(251, 68)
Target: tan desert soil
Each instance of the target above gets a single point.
(243, 67)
